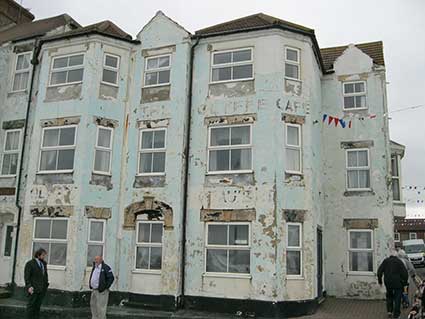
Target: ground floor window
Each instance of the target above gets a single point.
(294, 249)
(8, 240)
(96, 239)
(52, 235)
(149, 245)
(360, 250)
(228, 248)
(396, 237)
(413, 236)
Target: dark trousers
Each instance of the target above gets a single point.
(394, 301)
(34, 304)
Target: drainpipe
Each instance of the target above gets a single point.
(34, 62)
(186, 175)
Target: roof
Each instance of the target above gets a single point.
(373, 49)
(20, 14)
(36, 28)
(404, 224)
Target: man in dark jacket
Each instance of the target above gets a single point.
(36, 283)
(395, 278)
(101, 279)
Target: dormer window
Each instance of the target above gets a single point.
(21, 72)
(354, 95)
(232, 65)
(157, 70)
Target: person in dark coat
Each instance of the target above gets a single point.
(101, 279)
(36, 283)
(395, 278)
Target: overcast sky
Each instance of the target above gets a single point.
(400, 24)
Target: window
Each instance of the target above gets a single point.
(354, 95)
(294, 249)
(111, 64)
(10, 152)
(103, 150)
(235, 65)
(230, 149)
(292, 63)
(67, 69)
(51, 234)
(358, 169)
(157, 70)
(395, 172)
(96, 240)
(21, 72)
(360, 250)
(152, 152)
(293, 148)
(149, 245)
(57, 149)
(396, 237)
(413, 236)
(228, 248)
(8, 241)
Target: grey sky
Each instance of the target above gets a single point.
(400, 24)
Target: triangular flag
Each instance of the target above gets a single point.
(342, 123)
(349, 124)
(336, 120)
(372, 116)
(330, 119)
(324, 117)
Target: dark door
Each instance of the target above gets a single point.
(319, 263)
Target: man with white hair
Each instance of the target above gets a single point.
(410, 270)
(101, 279)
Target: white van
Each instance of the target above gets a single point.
(415, 250)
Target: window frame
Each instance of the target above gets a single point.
(3, 246)
(227, 248)
(96, 243)
(21, 71)
(230, 147)
(68, 68)
(398, 177)
(295, 248)
(372, 249)
(152, 150)
(157, 70)
(413, 233)
(298, 63)
(396, 238)
(104, 149)
(18, 152)
(357, 168)
(232, 64)
(294, 147)
(74, 147)
(50, 241)
(148, 245)
(110, 68)
(344, 95)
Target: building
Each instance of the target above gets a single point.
(212, 170)
(408, 228)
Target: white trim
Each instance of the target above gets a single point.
(96, 243)
(357, 168)
(291, 62)
(294, 147)
(371, 249)
(140, 151)
(413, 237)
(110, 68)
(148, 245)
(363, 93)
(398, 235)
(156, 70)
(67, 69)
(21, 71)
(3, 246)
(232, 65)
(104, 149)
(397, 177)
(296, 249)
(17, 151)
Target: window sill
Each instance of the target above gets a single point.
(146, 272)
(63, 84)
(293, 79)
(293, 173)
(294, 277)
(153, 174)
(109, 84)
(361, 273)
(227, 275)
(156, 85)
(232, 81)
(101, 173)
(359, 192)
(20, 91)
(53, 267)
(54, 172)
(7, 176)
(230, 172)
(360, 109)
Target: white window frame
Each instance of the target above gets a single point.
(96, 243)
(296, 248)
(11, 152)
(67, 147)
(110, 68)
(354, 94)
(157, 70)
(228, 248)
(294, 147)
(413, 235)
(372, 249)
(68, 68)
(347, 169)
(231, 65)
(104, 149)
(3, 246)
(148, 245)
(393, 177)
(51, 241)
(152, 150)
(296, 63)
(230, 147)
(21, 71)
(397, 237)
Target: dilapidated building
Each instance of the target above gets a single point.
(240, 168)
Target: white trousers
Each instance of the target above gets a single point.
(99, 304)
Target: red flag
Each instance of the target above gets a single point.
(331, 118)
(349, 124)
(336, 120)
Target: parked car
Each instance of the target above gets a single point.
(415, 250)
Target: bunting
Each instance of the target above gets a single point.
(343, 121)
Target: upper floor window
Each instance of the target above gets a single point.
(149, 245)
(354, 95)
(358, 169)
(8, 240)
(294, 249)
(10, 152)
(21, 72)
(228, 248)
(293, 148)
(111, 64)
(57, 149)
(157, 70)
(292, 63)
(96, 240)
(232, 65)
(395, 172)
(67, 69)
(103, 150)
(152, 151)
(230, 149)
(360, 249)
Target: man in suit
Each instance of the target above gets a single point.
(36, 282)
(101, 279)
